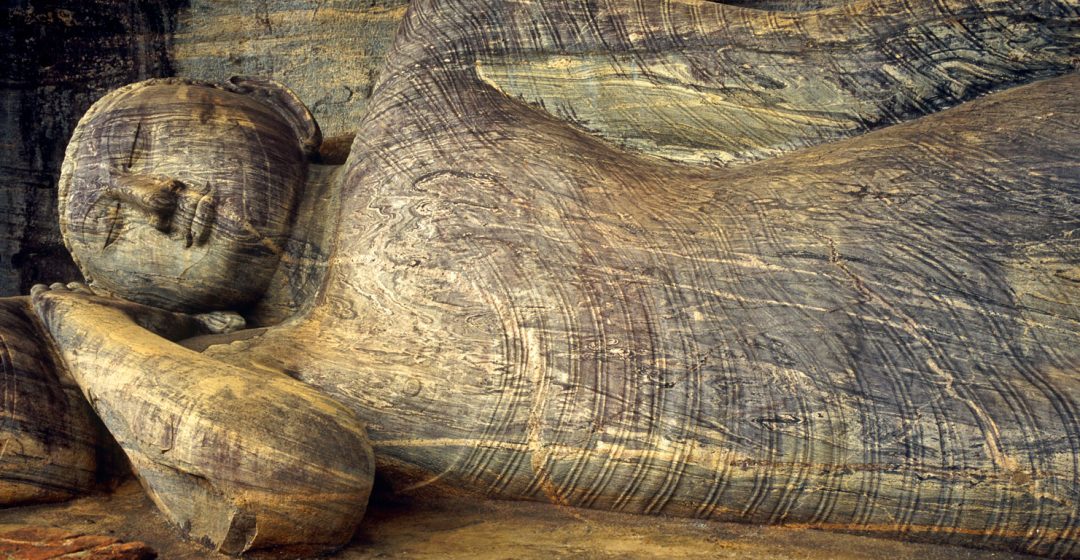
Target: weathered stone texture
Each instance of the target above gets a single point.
(868, 330)
(528, 300)
(50, 441)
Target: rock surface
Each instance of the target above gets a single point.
(872, 334)
(328, 51)
(240, 460)
(527, 301)
(49, 543)
(445, 528)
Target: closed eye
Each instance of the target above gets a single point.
(116, 223)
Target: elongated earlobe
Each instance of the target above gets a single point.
(286, 103)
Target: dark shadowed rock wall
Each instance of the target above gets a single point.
(56, 58)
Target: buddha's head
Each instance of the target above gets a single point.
(181, 194)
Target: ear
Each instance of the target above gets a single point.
(286, 103)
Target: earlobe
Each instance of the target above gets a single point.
(286, 103)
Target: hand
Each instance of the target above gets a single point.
(221, 322)
(168, 324)
(77, 287)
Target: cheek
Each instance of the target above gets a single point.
(148, 267)
(143, 249)
(256, 219)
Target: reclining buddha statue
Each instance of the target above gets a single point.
(809, 264)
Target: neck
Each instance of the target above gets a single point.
(305, 255)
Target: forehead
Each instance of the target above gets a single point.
(191, 103)
(157, 123)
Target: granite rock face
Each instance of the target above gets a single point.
(687, 259)
(866, 330)
(50, 441)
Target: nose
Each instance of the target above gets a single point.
(154, 196)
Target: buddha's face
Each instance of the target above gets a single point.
(180, 195)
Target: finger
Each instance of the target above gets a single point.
(80, 288)
(58, 286)
(221, 322)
